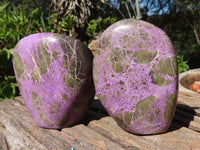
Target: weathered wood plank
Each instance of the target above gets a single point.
(26, 127)
(3, 143)
(176, 138)
(23, 130)
(191, 101)
(179, 139)
(90, 139)
(15, 135)
(98, 130)
(187, 120)
(108, 128)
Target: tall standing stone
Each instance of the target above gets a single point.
(136, 77)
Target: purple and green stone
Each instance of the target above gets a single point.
(54, 73)
(136, 77)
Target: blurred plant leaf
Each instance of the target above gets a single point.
(99, 25)
(7, 90)
(4, 5)
(182, 65)
(5, 61)
(66, 24)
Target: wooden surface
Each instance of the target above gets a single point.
(98, 131)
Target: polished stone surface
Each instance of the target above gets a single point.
(135, 75)
(54, 73)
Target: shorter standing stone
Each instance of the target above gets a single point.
(54, 74)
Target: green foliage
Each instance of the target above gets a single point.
(123, 2)
(60, 26)
(7, 82)
(16, 23)
(5, 62)
(99, 25)
(181, 35)
(66, 24)
(8, 88)
(94, 26)
(13, 24)
(36, 20)
(182, 65)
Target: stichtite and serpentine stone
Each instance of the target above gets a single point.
(136, 77)
(54, 74)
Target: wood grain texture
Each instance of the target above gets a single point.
(98, 131)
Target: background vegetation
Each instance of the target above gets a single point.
(180, 19)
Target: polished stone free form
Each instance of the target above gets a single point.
(135, 75)
(54, 74)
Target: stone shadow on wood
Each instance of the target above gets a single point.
(184, 115)
(96, 112)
